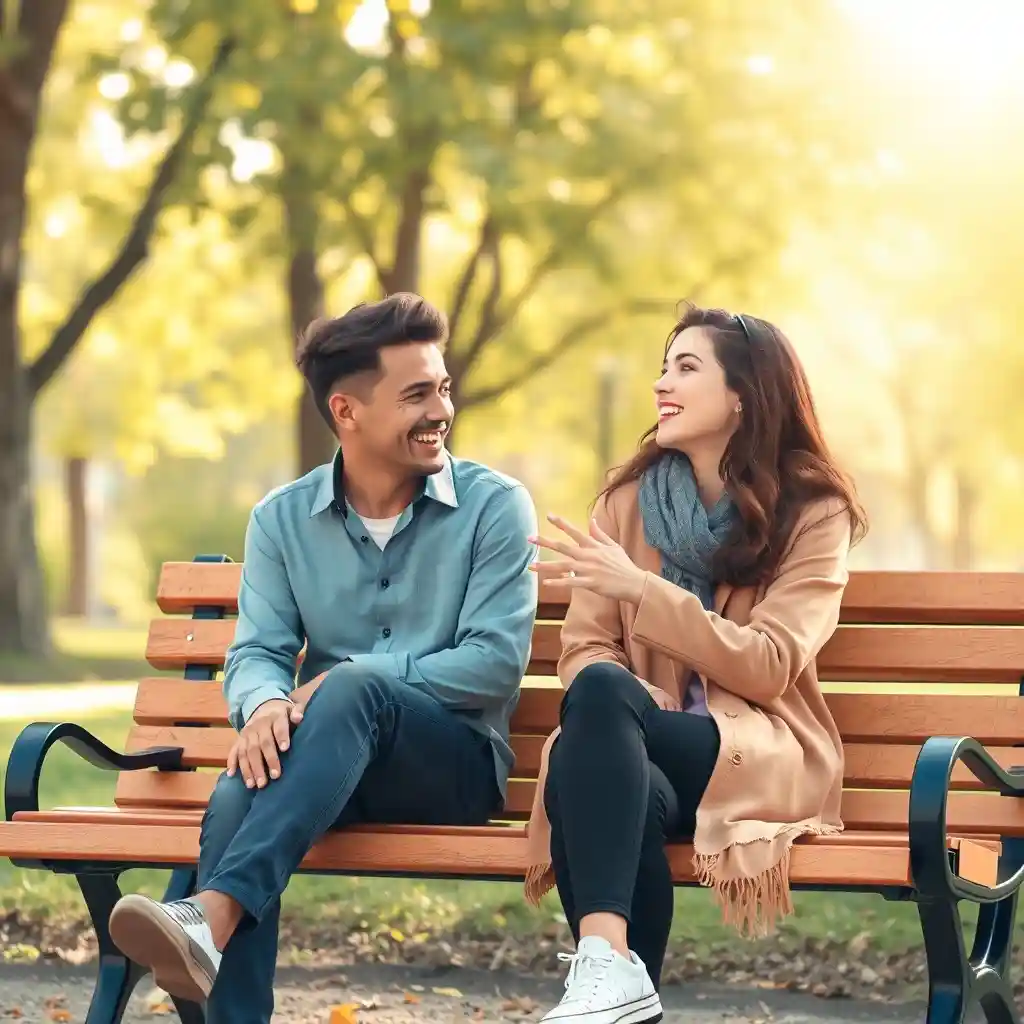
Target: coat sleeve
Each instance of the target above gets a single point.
(593, 624)
(787, 629)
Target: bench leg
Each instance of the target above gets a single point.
(956, 980)
(117, 976)
(949, 972)
(990, 961)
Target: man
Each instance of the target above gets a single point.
(404, 572)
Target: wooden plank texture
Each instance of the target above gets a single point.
(868, 766)
(496, 854)
(861, 717)
(868, 810)
(979, 654)
(962, 598)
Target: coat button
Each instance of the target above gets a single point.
(736, 758)
(386, 632)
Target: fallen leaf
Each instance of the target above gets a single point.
(451, 993)
(60, 1015)
(345, 1014)
(397, 935)
(15, 1012)
(161, 1009)
(410, 998)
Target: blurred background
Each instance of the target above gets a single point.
(188, 184)
(185, 184)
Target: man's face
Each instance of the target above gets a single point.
(402, 421)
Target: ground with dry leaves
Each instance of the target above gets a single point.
(387, 994)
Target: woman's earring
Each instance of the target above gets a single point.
(739, 407)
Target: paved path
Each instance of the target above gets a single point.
(44, 703)
(395, 995)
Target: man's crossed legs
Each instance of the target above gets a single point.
(369, 749)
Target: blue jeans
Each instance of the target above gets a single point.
(369, 749)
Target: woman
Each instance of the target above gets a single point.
(710, 578)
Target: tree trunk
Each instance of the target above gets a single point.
(314, 441)
(23, 622)
(76, 484)
(24, 627)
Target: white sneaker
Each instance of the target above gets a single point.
(172, 939)
(604, 987)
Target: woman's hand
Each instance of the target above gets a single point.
(664, 700)
(595, 563)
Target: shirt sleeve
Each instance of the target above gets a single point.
(269, 634)
(492, 644)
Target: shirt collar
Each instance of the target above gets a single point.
(439, 487)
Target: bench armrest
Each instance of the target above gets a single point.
(25, 763)
(929, 797)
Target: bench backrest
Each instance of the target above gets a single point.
(903, 639)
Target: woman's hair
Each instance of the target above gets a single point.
(777, 460)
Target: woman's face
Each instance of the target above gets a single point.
(695, 406)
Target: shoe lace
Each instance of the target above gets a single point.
(586, 972)
(185, 912)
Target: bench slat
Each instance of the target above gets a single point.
(499, 854)
(867, 810)
(861, 717)
(980, 654)
(868, 766)
(958, 598)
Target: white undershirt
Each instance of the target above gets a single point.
(380, 529)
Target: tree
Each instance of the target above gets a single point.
(538, 153)
(30, 33)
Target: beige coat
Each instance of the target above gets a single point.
(779, 773)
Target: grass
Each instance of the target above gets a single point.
(82, 653)
(412, 908)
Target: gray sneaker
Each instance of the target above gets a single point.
(172, 939)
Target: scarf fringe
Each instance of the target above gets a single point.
(752, 905)
(755, 904)
(540, 880)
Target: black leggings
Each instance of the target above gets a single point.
(624, 777)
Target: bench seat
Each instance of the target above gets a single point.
(854, 859)
(923, 678)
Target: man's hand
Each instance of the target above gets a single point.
(664, 700)
(268, 730)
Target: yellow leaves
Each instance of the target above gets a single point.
(451, 993)
(304, 6)
(344, 1014)
(245, 95)
(397, 935)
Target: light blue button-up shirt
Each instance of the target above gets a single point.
(447, 607)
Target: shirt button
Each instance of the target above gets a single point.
(385, 584)
(387, 632)
(364, 538)
(737, 758)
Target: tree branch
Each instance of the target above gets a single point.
(135, 247)
(364, 235)
(461, 294)
(580, 331)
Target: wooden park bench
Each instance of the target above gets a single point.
(929, 814)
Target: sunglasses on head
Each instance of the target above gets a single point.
(741, 320)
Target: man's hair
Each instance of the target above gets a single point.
(332, 349)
